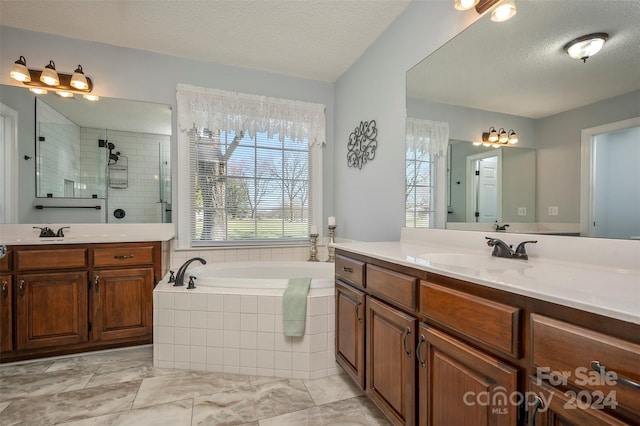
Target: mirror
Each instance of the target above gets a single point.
(516, 75)
(113, 153)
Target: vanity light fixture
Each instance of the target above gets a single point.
(586, 46)
(19, 71)
(40, 81)
(504, 11)
(465, 4)
(497, 138)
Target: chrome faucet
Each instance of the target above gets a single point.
(502, 249)
(183, 269)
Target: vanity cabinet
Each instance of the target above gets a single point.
(73, 298)
(443, 351)
(350, 337)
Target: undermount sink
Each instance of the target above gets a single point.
(473, 261)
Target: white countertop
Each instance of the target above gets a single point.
(24, 234)
(596, 284)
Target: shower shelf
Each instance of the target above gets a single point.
(119, 174)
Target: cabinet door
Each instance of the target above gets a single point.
(6, 314)
(390, 343)
(549, 406)
(51, 309)
(459, 385)
(350, 311)
(122, 303)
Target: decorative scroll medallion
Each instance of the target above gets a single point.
(362, 144)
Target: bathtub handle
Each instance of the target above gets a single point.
(358, 311)
(404, 342)
(347, 269)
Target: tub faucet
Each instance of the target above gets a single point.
(502, 249)
(183, 269)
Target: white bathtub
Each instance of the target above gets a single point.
(232, 321)
(262, 275)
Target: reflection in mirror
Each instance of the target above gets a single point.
(95, 162)
(490, 185)
(516, 75)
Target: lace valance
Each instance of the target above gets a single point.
(427, 135)
(232, 111)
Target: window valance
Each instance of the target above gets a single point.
(242, 112)
(427, 135)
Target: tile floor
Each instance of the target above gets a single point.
(121, 387)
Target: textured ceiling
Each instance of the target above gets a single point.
(315, 39)
(519, 67)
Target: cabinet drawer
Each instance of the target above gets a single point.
(392, 286)
(557, 346)
(489, 322)
(123, 256)
(350, 270)
(29, 260)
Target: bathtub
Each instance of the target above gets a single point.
(232, 321)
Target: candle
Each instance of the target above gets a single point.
(332, 221)
(314, 230)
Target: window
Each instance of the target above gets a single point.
(252, 173)
(248, 188)
(425, 173)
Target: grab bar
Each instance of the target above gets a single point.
(40, 207)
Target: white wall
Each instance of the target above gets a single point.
(369, 203)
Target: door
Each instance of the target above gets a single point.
(483, 187)
(122, 303)
(350, 312)
(390, 343)
(51, 309)
(6, 314)
(459, 385)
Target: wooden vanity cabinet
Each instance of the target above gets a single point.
(350, 333)
(443, 351)
(73, 298)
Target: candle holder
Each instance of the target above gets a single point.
(330, 247)
(313, 252)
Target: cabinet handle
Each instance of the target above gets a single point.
(96, 282)
(5, 291)
(347, 269)
(358, 311)
(596, 366)
(404, 342)
(536, 406)
(21, 289)
(124, 256)
(420, 342)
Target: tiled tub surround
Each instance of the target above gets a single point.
(237, 330)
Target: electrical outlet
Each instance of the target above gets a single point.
(553, 210)
(522, 211)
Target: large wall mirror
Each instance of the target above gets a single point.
(107, 161)
(516, 75)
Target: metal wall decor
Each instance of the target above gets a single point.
(362, 144)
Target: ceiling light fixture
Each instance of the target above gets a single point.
(504, 11)
(586, 46)
(49, 79)
(496, 138)
(465, 4)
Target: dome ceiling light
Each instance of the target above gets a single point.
(586, 46)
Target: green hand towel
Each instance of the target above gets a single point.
(294, 306)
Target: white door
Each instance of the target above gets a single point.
(483, 187)
(8, 165)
